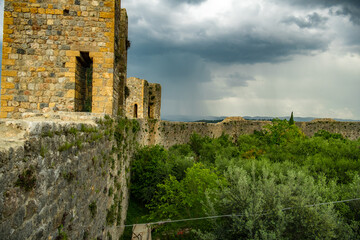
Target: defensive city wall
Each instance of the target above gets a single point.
(65, 177)
(168, 133)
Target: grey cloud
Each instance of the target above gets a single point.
(237, 79)
(237, 48)
(193, 2)
(323, 3)
(353, 13)
(252, 43)
(310, 21)
(349, 8)
(178, 73)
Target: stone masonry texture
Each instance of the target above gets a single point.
(144, 100)
(167, 133)
(64, 177)
(42, 42)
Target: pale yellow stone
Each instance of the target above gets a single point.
(4, 103)
(70, 93)
(7, 109)
(106, 14)
(9, 21)
(9, 73)
(72, 53)
(3, 114)
(10, 62)
(7, 97)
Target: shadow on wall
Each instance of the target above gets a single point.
(1, 33)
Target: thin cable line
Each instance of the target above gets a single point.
(239, 215)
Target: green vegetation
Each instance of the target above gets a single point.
(291, 121)
(61, 234)
(26, 180)
(111, 215)
(266, 182)
(66, 146)
(43, 150)
(68, 176)
(93, 208)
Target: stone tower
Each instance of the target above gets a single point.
(63, 55)
(144, 100)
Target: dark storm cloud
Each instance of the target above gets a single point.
(178, 73)
(156, 33)
(313, 20)
(349, 8)
(244, 47)
(324, 3)
(194, 2)
(354, 13)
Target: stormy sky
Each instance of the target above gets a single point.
(248, 57)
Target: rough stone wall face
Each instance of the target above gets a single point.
(120, 66)
(167, 133)
(154, 100)
(147, 96)
(136, 96)
(41, 42)
(63, 178)
(145, 99)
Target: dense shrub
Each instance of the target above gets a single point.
(149, 168)
(256, 176)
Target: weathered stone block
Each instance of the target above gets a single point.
(7, 85)
(106, 15)
(8, 62)
(6, 97)
(70, 94)
(70, 85)
(10, 73)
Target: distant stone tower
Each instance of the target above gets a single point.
(144, 100)
(67, 55)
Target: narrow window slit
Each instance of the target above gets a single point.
(83, 83)
(135, 111)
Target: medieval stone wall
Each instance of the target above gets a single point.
(154, 107)
(120, 67)
(41, 43)
(136, 104)
(145, 97)
(65, 178)
(167, 133)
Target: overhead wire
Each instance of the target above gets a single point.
(239, 215)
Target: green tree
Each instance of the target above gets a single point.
(280, 131)
(184, 199)
(291, 121)
(149, 168)
(259, 197)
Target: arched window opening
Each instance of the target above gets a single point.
(135, 110)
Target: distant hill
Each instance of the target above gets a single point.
(216, 119)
